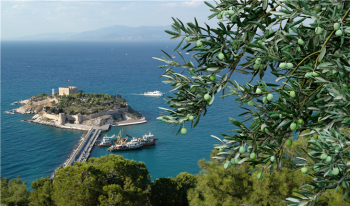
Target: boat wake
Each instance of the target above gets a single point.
(135, 94)
(10, 111)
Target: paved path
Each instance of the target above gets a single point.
(82, 153)
(131, 122)
(85, 127)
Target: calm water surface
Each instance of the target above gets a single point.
(127, 68)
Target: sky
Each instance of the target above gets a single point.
(22, 18)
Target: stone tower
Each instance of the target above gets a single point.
(61, 118)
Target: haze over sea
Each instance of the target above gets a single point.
(30, 68)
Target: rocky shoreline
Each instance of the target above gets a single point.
(21, 102)
(103, 119)
(46, 124)
(37, 119)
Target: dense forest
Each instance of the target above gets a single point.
(113, 180)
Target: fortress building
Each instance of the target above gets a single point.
(67, 90)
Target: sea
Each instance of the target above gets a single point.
(126, 67)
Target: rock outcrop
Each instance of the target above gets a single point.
(99, 121)
(21, 102)
(33, 107)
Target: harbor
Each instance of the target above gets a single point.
(116, 143)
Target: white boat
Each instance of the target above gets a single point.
(10, 111)
(155, 93)
(123, 145)
(173, 56)
(187, 53)
(105, 143)
(109, 138)
(148, 139)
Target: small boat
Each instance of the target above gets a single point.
(155, 93)
(109, 138)
(10, 111)
(173, 56)
(105, 143)
(187, 53)
(148, 139)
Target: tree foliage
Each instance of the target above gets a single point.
(106, 180)
(216, 185)
(42, 192)
(109, 180)
(14, 192)
(172, 191)
(305, 44)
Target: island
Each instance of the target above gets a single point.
(70, 108)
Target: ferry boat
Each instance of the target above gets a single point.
(148, 139)
(155, 93)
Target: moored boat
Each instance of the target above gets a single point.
(125, 146)
(105, 143)
(148, 139)
(121, 144)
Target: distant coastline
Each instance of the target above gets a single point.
(112, 33)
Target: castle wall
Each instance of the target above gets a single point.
(62, 118)
(63, 91)
(77, 119)
(109, 112)
(67, 90)
(73, 90)
(51, 116)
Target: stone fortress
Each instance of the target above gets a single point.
(67, 90)
(113, 117)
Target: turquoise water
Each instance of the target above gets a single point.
(30, 68)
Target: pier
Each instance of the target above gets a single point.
(83, 150)
(82, 153)
(130, 122)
